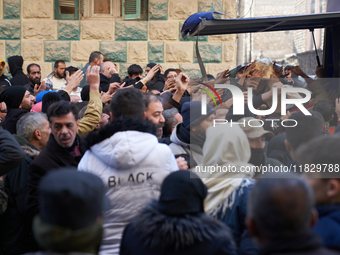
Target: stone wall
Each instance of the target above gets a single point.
(28, 28)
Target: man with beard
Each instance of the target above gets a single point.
(19, 101)
(256, 137)
(56, 79)
(154, 112)
(34, 76)
(188, 137)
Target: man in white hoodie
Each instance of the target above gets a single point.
(126, 155)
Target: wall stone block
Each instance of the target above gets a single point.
(192, 70)
(214, 69)
(55, 50)
(11, 9)
(13, 48)
(210, 52)
(163, 30)
(39, 29)
(10, 29)
(210, 6)
(181, 10)
(190, 38)
(158, 9)
(115, 51)
(68, 30)
(97, 30)
(33, 9)
(230, 8)
(179, 52)
(81, 50)
(156, 52)
(3, 50)
(137, 52)
(131, 30)
(32, 50)
(229, 51)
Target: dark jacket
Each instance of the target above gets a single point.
(105, 82)
(152, 232)
(11, 119)
(53, 156)
(304, 245)
(277, 149)
(328, 226)
(234, 218)
(11, 154)
(4, 81)
(16, 225)
(15, 66)
(130, 81)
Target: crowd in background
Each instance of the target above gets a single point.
(95, 163)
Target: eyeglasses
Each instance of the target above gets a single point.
(3, 111)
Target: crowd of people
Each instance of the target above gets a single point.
(95, 163)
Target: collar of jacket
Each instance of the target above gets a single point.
(61, 152)
(323, 210)
(30, 150)
(13, 115)
(307, 242)
(120, 125)
(163, 232)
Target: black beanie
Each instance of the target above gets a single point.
(48, 99)
(191, 113)
(182, 192)
(13, 96)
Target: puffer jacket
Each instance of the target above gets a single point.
(126, 155)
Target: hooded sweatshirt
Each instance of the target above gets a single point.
(4, 81)
(15, 66)
(132, 165)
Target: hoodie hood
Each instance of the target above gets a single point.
(3, 64)
(116, 144)
(15, 64)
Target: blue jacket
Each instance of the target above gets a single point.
(235, 219)
(328, 226)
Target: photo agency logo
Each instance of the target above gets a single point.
(238, 103)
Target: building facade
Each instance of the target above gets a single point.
(126, 32)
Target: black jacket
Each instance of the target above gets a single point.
(152, 232)
(11, 119)
(11, 154)
(16, 224)
(52, 157)
(105, 82)
(4, 81)
(15, 66)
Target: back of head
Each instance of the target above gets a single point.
(30, 122)
(170, 121)
(134, 69)
(307, 128)
(15, 64)
(281, 207)
(71, 69)
(62, 108)
(172, 202)
(192, 115)
(71, 203)
(325, 108)
(48, 99)
(127, 103)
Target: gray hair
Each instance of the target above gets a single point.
(29, 123)
(170, 121)
(281, 207)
